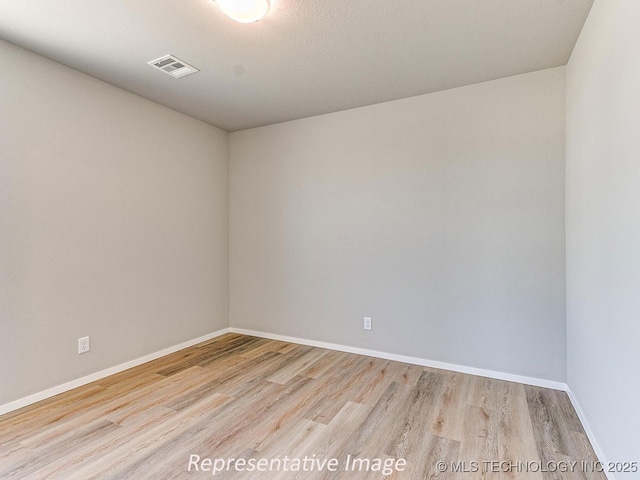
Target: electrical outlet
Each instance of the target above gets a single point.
(83, 345)
(367, 323)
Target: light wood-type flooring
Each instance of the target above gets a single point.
(258, 400)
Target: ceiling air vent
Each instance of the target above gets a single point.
(173, 66)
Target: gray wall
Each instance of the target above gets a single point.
(603, 226)
(113, 224)
(440, 216)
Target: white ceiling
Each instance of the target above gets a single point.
(307, 57)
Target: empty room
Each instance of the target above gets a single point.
(320, 239)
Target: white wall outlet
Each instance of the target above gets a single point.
(367, 323)
(83, 345)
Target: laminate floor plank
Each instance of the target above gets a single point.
(379, 375)
(435, 450)
(327, 363)
(418, 414)
(247, 398)
(220, 381)
(60, 446)
(42, 416)
(295, 366)
(225, 440)
(333, 441)
(516, 441)
(254, 426)
(204, 357)
(558, 433)
(214, 359)
(452, 406)
(409, 374)
(479, 442)
(366, 441)
(155, 442)
(117, 408)
(296, 440)
(272, 346)
(340, 387)
(104, 444)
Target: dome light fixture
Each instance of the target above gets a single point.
(244, 11)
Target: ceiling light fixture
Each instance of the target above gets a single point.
(244, 11)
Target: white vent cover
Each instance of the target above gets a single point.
(173, 66)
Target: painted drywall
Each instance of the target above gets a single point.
(603, 226)
(439, 216)
(113, 224)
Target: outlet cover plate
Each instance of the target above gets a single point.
(84, 345)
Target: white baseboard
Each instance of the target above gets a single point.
(65, 387)
(585, 424)
(537, 382)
